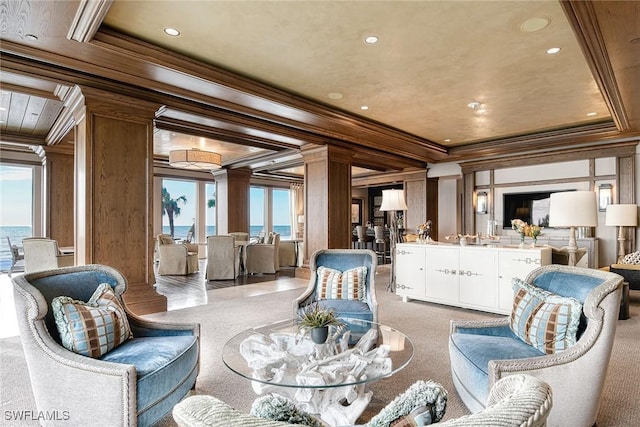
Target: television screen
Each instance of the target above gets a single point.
(532, 208)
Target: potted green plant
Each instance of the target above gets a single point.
(317, 320)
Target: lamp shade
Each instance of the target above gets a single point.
(622, 215)
(573, 209)
(194, 159)
(393, 200)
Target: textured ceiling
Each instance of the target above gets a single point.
(433, 58)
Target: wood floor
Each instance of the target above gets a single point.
(192, 290)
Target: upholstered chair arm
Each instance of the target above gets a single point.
(191, 247)
(306, 298)
(515, 400)
(202, 410)
(65, 260)
(144, 328)
(177, 250)
(496, 327)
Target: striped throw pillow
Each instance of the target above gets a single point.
(335, 284)
(546, 321)
(92, 328)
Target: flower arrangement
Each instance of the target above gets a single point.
(526, 230)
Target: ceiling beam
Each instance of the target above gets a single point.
(584, 21)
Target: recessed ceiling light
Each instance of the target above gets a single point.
(364, 107)
(532, 25)
(335, 95)
(3, 109)
(592, 113)
(553, 50)
(371, 39)
(447, 140)
(171, 31)
(474, 105)
(31, 37)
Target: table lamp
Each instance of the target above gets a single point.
(393, 200)
(573, 209)
(623, 215)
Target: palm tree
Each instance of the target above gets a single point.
(170, 207)
(211, 203)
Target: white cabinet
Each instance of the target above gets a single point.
(517, 263)
(478, 272)
(410, 277)
(442, 274)
(476, 277)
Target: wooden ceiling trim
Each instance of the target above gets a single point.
(249, 97)
(22, 139)
(380, 138)
(195, 129)
(619, 149)
(584, 20)
(558, 138)
(9, 87)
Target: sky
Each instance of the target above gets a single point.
(15, 195)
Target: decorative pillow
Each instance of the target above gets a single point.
(546, 321)
(632, 258)
(92, 328)
(278, 408)
(335, 284)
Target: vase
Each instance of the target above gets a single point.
(319, 335)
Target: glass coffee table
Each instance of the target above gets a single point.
(328, 380)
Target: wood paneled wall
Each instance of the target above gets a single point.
(114, 160)
(59, 194)
(327, 194)
(232, 200)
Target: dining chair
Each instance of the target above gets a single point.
(223, 258)
(41, 253)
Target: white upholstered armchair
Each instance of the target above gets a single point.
(223, 258)
(483, 352)
(176, 258)
(264, 257)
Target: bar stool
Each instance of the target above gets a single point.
(380, 243)
(363, 239)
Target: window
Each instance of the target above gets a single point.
(270, 211)
(210, 224)
(179, 207)
(257, 210)
(16, 213)
(281, 212)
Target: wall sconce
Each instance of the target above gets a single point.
(482, 203)
(605, 196)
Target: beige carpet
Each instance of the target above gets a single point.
(230, 310)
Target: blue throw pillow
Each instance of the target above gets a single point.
(546, 321)
(92, 328)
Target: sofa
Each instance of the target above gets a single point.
(518, 400)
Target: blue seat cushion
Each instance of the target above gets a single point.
(162, 364)
(349, 308)
(470, 355)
